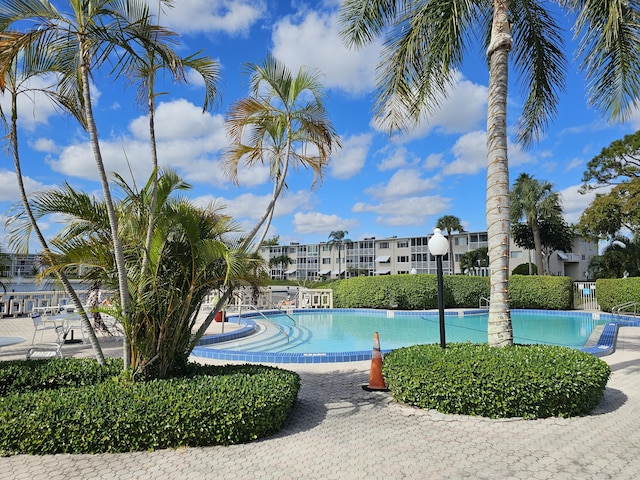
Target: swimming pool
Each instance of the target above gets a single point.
(339, 335)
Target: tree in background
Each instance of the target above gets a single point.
(450, 224)
(281, 261)
(532, 201)
(555, 235)
(619, 259)
(473, 259)
(337, 239)
(424, 47)
(284, 124)
(617, 166)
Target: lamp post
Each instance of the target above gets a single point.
(439, 246)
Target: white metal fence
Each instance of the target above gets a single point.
(584, 296)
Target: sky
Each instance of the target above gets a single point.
(377, 185)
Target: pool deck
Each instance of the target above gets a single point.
(340, 431)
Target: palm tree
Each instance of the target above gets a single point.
(82, 41)
(450, 223)
(16, 84)
(533, 201)
(283, 123)
(143, 70)
(425, 45)
(189, 258)
(337, 238)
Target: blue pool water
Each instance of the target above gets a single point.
(329, 332)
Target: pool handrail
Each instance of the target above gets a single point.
(618, 309)
(259, 312)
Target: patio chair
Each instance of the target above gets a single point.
(40, 324)
(48, 350)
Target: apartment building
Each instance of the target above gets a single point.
(392, 256)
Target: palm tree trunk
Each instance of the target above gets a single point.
(500, 332)
(106, 191)
(279, 185)
(538, 246)
(93, 340)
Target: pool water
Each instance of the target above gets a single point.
(312, 332)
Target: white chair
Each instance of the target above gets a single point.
(40, 324)
(48, 350)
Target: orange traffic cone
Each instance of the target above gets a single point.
(376, 382)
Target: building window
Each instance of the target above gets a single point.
(403, 258)
(383, 245)
(516, 254)
(326, 261)
(402, 244)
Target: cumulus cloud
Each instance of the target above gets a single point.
(574, 203)
(319, 223)
(186, 137)
(10, 192)
(34, 108)
(352, 157)
(233, 17)
(312, 38)
(403, 183)
(396, 157)
(463, 109)
(470, 155)
(406, 211)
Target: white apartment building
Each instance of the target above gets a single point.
(391, 256)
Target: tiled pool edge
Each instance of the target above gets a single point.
(604, 346)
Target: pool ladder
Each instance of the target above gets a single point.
(267, 319)
(626, 308)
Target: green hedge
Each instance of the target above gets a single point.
(420, 292)
(611, 292)
(529, 381)
(212, 406)
(546, 293)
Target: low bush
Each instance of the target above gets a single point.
(546, 292)
(611, 292)
(420, 292)
(529, 381)
(212, 405)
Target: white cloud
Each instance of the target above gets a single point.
(34, 107)
(352, 157)
(403, 183)
(470, 153)
(397, 158)
(10, 192)
(188, 139)
(234, 17)
(319, 223)
(407, 211)
(312, 39)
(575, 203)
(463, 109)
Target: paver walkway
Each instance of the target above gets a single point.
(339, 431)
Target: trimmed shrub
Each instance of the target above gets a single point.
(528, 381)
(19, 376)
(611, 292)
(523, 269)
(420, 292)
(541, 292)
(213, 405)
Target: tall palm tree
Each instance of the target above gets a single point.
(16, 85)
(450, 224)
(337, 238)
(82, 40)
(283, 123)
(533, 201)
(425, 45)
(143, 70)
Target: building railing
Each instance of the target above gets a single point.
(16, 304)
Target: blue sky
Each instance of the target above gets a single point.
(376, 185)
